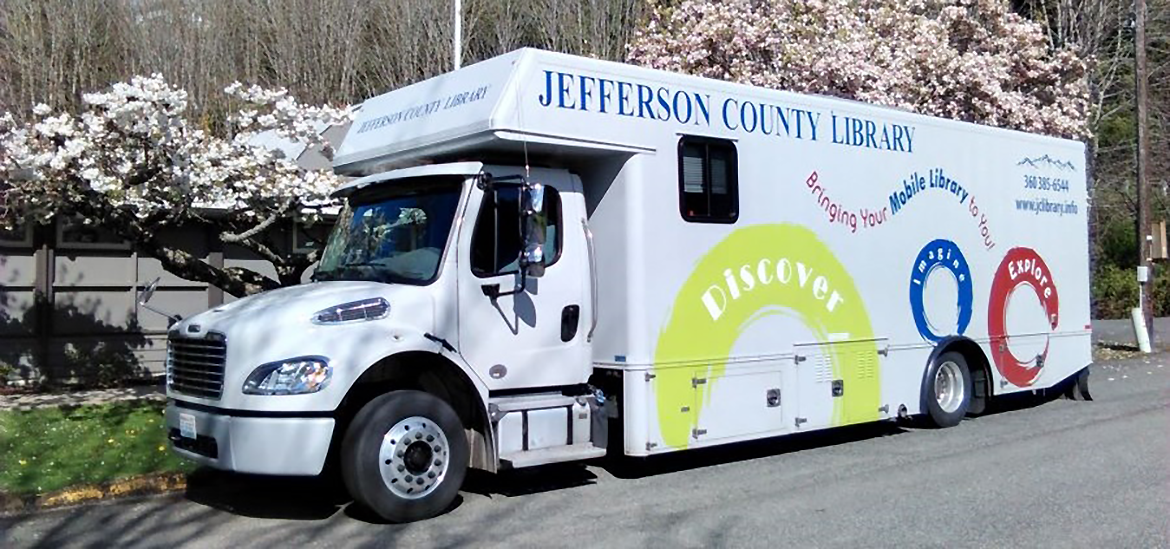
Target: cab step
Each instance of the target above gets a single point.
(557, 454)
(537, 429)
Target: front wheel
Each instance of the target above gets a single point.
(948, 390)
(404, 456)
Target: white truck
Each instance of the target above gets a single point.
(545, 258)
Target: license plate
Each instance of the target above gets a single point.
(187, 426)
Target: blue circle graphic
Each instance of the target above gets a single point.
(940, 254)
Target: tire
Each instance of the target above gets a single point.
(947, 390)
(404, 456)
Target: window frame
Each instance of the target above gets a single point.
(63, 223)
(26, 241)
(484, 204)
(732, 182)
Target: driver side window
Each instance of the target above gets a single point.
(496, 242)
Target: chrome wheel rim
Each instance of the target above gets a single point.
(413, 458)
(948, 387)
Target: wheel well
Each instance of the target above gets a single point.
(979, 367)
(434, 374)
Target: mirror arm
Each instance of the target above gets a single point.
(171, 317)
(493, 290)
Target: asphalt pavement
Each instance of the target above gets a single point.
(1037, 473)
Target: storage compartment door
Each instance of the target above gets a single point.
(742, 402)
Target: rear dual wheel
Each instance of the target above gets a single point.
(948, 390)
(404, 456)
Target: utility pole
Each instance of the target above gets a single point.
(457, 46)
(1145, 248)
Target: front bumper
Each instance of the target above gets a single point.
(248, 444)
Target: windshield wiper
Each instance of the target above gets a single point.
(380, 271)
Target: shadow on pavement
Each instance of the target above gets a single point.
(293, 498)
(318, 498)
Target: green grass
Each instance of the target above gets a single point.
(47, 449)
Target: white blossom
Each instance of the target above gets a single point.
(133, 145)
(972, 60)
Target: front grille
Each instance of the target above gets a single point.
(195, 366)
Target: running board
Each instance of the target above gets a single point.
(544, 428)
(557, 454)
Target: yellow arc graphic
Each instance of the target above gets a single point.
(755, 272)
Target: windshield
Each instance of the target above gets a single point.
(393, 235)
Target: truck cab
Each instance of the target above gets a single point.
(447, 325)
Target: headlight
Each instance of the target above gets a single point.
(297, 376)
(354, 311)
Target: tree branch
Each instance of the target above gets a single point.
(236, 281)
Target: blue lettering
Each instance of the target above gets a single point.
(687, 102)
(748, 108)
(764, 111)
(664, 102)
(546, 98)
(645, 101)
(624, 89)
(604, 93)
(870, 130)
(704, 109)
(564, 83)
(586, 92)
(783, 118)
(728, 122)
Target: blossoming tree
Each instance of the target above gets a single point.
(971, 60)
(133, 165)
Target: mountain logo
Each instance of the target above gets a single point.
(1047, 162)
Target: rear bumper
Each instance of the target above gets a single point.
(296, 446)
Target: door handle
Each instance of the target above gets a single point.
(570, 318)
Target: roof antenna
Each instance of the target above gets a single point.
(523, 138)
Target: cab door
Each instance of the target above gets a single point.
(535, 337)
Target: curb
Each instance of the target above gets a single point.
(162, 483)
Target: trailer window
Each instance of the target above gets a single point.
(496, 242)
(708, 180)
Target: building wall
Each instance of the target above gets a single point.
(68, 307)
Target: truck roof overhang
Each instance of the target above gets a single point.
(464, 169)
(470, 113)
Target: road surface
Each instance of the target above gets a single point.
(1039, 474)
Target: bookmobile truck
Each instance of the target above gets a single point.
(546, 258)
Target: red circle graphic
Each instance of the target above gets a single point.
(1020, 267)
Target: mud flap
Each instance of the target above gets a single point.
(1078, 386)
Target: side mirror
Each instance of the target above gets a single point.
(535, 224)
(148, 291)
